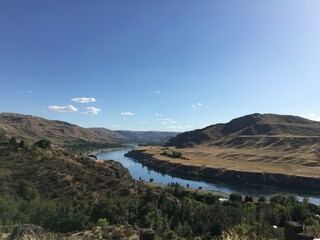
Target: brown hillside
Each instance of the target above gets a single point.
(245, 130)
(58, 132)
(261, 143)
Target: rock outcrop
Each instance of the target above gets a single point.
(27, 232)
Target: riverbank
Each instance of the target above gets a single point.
(216, 193)
(207, 173)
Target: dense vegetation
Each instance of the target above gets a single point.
(64, 192)
(85, 146)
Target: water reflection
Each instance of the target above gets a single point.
(141, 172)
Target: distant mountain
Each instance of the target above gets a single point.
(146, 136)
(58, 132)
(241, 131)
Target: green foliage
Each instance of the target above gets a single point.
(102, 222)
(43, 143)
(3, 137)
(27, 190)
(62, 205)
(235, 197)
(22, 144)
(174, 154)
(85, 146)
(262, 199)
(13, 141)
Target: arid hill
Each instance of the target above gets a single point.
(58, 132)
(259, 148)
(244, 131)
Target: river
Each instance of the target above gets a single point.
(140, 172)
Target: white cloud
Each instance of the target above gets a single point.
(156, 92)
(92, 110)
(68, 108)
(158, 114)
(116, 125)
(188, 126)
(311, 116)
(198, 105)
(83, 100)
(127, 114)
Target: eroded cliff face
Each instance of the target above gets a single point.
(226, 174)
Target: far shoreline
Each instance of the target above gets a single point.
(95, 153)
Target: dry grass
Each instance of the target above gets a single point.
(277, 157)
(35, 128)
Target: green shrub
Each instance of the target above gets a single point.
(44, 144)
(235, 197)
(103, 222)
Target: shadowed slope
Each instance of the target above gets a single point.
(59, 132)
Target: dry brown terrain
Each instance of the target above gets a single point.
(266, 143)
(58, 132)
(304, 162)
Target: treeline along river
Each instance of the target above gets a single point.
(141, 172)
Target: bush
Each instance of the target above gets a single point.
(102, 222)
(262, 199)
(44, 144)
(235, 197)
(176, 154)
(13, 141)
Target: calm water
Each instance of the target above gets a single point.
(140, 171)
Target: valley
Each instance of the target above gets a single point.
(266, 149)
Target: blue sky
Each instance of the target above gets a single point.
(171, 65)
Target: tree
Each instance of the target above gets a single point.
(44, 144)
(22, 144)
(13, 141)
(234, 197)
(2, 136)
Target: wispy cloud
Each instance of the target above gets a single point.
(174, 127)
(198, 105)
(156, 92)
(144, 122)
(127, 114)
(116, 125)
(179, 126)
(68, 108)
(83, 100)
(158, 114)
(167, 121)
(92, 110)
(311, 116)
(28, 91)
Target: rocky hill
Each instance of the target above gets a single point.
(59, 132)
(244, 131)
